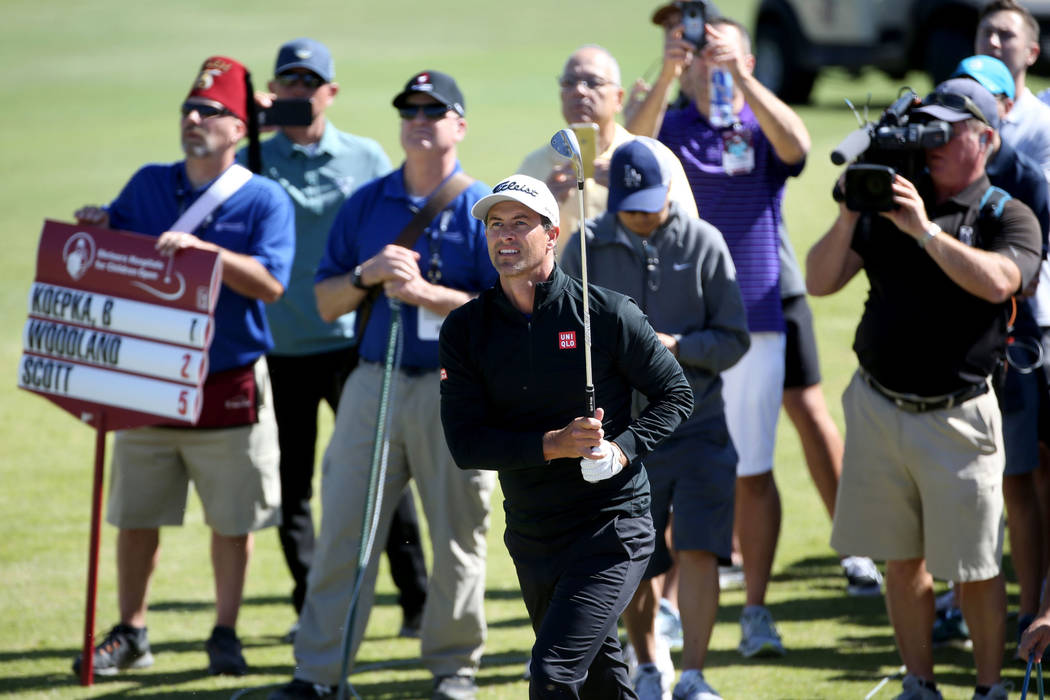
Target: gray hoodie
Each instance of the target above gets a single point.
(684, 280)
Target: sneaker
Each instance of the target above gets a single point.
(224, 653)
(949, 626)
(730, 577)
(289, 636)
(123, 648)
(663, 662)
(999, 691)
(454, 688)
(649, 683)
(862, 576)
(411, 625)
(669, 625)
(692, 686)
(299, 689)
(915, 690)
(945, 600)
(758, 634)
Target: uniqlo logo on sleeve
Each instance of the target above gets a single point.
(567, 340)
(444, 374)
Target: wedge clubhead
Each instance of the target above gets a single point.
(566, 145)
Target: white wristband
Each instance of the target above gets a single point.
(931, 232)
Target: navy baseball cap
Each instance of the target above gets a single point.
(988, 71)
(961, 98)
(639, 177)
(306, 53)
(441, 86)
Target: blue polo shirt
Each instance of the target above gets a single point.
(257, 220)
(318, 180)
(374, 217)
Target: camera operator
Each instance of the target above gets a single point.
(922, 475)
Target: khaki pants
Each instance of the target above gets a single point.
(456, 505)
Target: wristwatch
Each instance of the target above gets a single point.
(355, 278)
(931, 232)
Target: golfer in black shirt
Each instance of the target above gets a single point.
(513, 400)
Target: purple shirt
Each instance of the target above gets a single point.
(745, 208)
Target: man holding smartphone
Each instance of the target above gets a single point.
(723, 176)
(319, 167)
(591, 97)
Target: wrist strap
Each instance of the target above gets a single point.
(931, 232)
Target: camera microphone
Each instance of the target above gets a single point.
(852, 146)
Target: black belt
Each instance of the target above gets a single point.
(407, 370)
(921, 404)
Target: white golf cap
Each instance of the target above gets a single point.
(526, 190)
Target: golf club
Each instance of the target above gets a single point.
(564, 143)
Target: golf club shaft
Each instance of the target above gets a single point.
(586, 298)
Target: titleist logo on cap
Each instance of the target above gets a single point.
(511, 185)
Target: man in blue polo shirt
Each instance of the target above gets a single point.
(319, 167)
(233, 462)
(447, 265)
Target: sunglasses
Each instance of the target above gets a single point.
(959, 103)
(591, 82)
(432, 111)
(204, 111)
(310, 81)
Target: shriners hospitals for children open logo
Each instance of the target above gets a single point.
(79, 254)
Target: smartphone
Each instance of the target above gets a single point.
(292, 112)
(587, 135)
(694, 17)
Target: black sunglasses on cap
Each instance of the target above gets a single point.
(959, 103)
(205, 111)
(310, 81)
(431, 110)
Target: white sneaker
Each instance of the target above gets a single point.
(730, 577)
(758, 634)
(692, 686)
(999, 691)
(669, 624)
(649, 683)
(862, 576)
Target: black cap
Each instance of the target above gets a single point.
(438, 85)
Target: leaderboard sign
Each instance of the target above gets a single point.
(113, 323)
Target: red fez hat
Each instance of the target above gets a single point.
(225, 81)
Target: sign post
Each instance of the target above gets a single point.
(117, 335)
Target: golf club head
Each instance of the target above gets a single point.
(566, 145)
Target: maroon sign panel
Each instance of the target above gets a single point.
(114, 325)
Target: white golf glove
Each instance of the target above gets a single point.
(606, 466)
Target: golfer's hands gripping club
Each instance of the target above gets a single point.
(603, 467)
(584, 438)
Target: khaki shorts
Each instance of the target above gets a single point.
(922, 485)
(234, 471)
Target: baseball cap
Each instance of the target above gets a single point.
(526, 190)
(638, 177)
(438, 85)
(961, 98)
(225, 81)
(660, 14)
(306, 53)
(988, 71)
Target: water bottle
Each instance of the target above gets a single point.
(721, 92)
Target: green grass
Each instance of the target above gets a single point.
(90, 93)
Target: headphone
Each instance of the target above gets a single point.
(984, 139)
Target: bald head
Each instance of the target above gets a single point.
(590, 86)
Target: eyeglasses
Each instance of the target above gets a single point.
(956, 102)
(432, 111)
(310, 81)
(205, 111)
(590, 82)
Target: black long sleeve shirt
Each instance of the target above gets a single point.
(508, 378)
